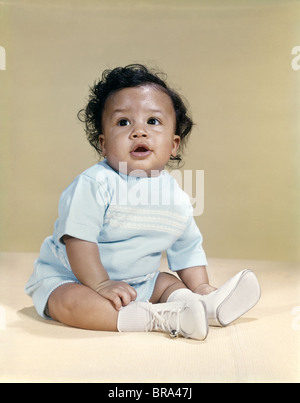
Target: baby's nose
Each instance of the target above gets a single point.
(139, 133)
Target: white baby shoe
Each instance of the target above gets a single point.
(233, 299)
(188, 318)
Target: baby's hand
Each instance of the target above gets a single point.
(118, 292)
(204, 289)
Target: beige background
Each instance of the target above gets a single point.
(230, 59)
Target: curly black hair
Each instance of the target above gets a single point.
(133, 75)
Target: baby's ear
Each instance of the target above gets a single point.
(176, 143)
(102, 144)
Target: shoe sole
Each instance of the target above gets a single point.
(206, 320)
(202, 322)
(242, 298)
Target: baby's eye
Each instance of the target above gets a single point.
(153, 121)
(123, 122)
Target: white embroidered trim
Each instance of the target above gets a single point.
(143, 219)
(139, 211)
(146, 226)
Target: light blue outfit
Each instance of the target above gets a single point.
(132, 219)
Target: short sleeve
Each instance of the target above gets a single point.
(187, 251)
(81, 209)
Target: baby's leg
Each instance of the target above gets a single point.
(166, 284)
(226, 304)
(79, 306)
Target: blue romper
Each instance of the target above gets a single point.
(132, 220)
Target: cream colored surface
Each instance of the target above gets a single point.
(263, 346)
(230, 59)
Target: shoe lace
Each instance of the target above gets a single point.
(162, 320)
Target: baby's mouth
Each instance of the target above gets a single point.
(141, 151)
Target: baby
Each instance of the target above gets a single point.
(100, 268)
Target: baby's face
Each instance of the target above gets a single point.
(138, 126)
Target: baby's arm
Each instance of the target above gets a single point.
(86, 264)
(196, 279)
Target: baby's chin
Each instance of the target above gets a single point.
(139, 172)
(140, 169)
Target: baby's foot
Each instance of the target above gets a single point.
(232, 300)
(188, 318)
